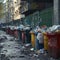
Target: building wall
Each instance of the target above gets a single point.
(16, 9)
(2, 13)
(9, 4)
(16, 14)
(13, 10)
(25, 6)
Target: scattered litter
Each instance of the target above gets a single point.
(23, 47)
(38, 52)
(21, 56)
(35, 55)
(27, 44)
(2, 55)
(32, 49)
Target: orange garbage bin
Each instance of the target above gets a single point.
(45, 41)
(33, 39)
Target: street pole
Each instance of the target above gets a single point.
(56, 12)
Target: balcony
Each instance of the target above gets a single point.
(28, 8)
(32, 7)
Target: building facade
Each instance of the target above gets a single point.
(9, 5)
(13, 10)
(2, 13)
(17, 14)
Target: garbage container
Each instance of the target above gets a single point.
(45, 41)
(20, 35)
(54, 44)
(32, 39)
(15, 33)
(4, 28)
(11, 32)
(7, 30)
(28, 36)
(23, 36)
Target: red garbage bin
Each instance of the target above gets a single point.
(11, 32)
(23, 36)
(54, 44)
(7, 30)
(16, 33)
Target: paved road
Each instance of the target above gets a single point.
(11, 49)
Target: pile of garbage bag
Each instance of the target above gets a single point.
(54, 28)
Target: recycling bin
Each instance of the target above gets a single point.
(45, 41)
(28, 36)
(20, 35)
(15, 33)
(54, 44)
(11, 32)
(4, 28)
(23, 36)
(8, 30)
(32, 39)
